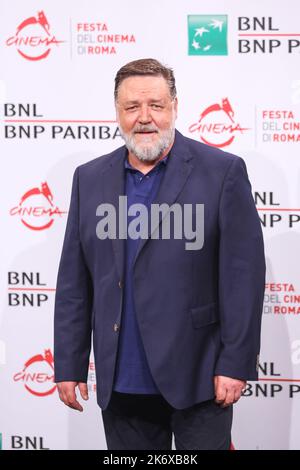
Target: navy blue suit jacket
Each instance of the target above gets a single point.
(199, 312)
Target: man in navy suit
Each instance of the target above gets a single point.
(175, 326)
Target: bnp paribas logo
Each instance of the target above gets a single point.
(207, 34)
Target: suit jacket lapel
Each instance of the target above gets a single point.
(113, 186)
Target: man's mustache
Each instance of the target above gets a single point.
(142, 129)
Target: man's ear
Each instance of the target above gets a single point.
(117, 113)
(176, 106)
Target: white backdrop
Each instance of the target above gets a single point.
(237, 69)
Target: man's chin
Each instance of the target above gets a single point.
(147, 154)
(145, 140)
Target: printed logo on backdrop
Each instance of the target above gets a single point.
(26, 289)
(262, 35)
(36, 209)
(100, 38)
(273, 383)
(25, 121)
(217, 125)
(273, 214)
(281, 299)
(21, 442)
(207, 34)
(37, 375)
(91, 380)
(278, 126)
(34, 39)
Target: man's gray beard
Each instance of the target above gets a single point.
(149, 154)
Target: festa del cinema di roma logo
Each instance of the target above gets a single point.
(37, 374)
(36, 209)
(33, 39)
(216, 125)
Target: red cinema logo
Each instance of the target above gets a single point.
(217, 126)
(33, 39)
(38, 375)
(36, 208)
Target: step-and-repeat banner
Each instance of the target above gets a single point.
(237, 66)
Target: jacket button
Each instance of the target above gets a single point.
(120, 284)
(116, 327)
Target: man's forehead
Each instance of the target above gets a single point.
(143, 84)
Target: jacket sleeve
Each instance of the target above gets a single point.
(241, 276)
(73, 302)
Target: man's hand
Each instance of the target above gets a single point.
(227, 390)
(66, 391)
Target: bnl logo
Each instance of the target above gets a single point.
(207, 35)
(25, 443)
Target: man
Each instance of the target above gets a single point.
(176, 328)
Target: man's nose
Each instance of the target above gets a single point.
(145, 115)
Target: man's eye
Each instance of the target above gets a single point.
(156, 106)
(131, 108)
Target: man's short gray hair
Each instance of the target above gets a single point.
(144, 67)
